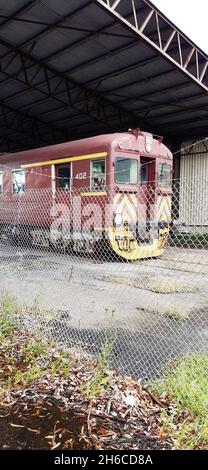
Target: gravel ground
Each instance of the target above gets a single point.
(158, 307)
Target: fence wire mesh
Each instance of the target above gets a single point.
(82, 268)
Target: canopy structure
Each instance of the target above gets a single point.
(72, 69)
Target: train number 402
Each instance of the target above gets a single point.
(81, 176)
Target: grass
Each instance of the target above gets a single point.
(170, 287)
(100, 379)
(158, 286)
(29, 351)
(11, 308)
(173, 312)
(197, 238)
(177, 313)
(23, 378)
(37, 264)
(7, 310)
(32, 350)
(181, 266)
(164, 286)
(34, 360)
(21, 265)
(185, 383)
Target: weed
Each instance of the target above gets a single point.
(32, 350)
(31, 374)
(152, 284)
(61, 365)
(37, 264)
(7, 309)
(169, 287)
(8, 303)
(7, 327)
(186, 382)
(100, 379)
(36, 309)
(176, 313)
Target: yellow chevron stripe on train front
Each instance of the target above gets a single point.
(126, 205)
(164, 208)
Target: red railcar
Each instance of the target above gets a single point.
(110, 190)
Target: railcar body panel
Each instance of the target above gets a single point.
(112, 190)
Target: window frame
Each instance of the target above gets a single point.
(18, 170)
(137, 173)
(146, 164)
(100, 160)
(165, 184)
(68, 165)
(1, 176)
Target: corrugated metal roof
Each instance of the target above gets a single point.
(75, 68)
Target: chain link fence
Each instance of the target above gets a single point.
(124, 270)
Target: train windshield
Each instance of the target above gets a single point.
(164, 174)
(126, 170)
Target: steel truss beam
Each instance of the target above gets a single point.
(36, 129)
(193, 63)
(192, 147)
(19, 11)
(34, 74)
(178, 123)
(8, 144)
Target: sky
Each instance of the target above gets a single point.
(190, 16)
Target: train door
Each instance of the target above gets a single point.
(146, 199)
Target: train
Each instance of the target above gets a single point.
(109, 193)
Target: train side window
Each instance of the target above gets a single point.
(64, 177)
(18, 181)
(98, 175)
(1, 182)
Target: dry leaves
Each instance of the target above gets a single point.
(54, 411)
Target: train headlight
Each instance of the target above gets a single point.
(118, 219)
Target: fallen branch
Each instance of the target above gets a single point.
(155, 399)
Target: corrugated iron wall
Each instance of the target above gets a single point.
(193, 192)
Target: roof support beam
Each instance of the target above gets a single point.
(41, 34)
(28, 71)
(27, 126)
(164, 115)
(18, 12)
(144, 97)
(178, 103)
(8, 144)
(77, 43)
(200, 58)
(178, 123)
(96, 81)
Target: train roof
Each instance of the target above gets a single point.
(85, 67)
(131, 140)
